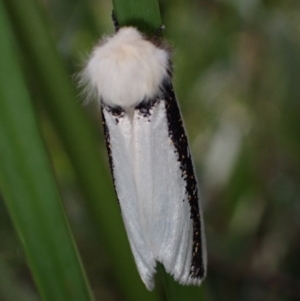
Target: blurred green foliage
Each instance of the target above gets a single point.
(237, 75)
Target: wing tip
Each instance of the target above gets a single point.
(148, 279)
(188, 280)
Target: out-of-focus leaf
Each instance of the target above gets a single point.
(29, 187)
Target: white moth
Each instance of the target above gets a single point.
(149, 155)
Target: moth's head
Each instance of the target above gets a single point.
(125, 69)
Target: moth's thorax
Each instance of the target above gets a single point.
(126, 69)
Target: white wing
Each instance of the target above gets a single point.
(150, 177)
(119, 141)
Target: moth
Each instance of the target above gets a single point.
(149, 156)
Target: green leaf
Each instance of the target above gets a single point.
(145, 15)
(29, 188)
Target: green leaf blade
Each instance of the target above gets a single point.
(29, 188)
(144, 15)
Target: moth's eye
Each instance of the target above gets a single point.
(145, 106)
(116, 111)
(144, 110)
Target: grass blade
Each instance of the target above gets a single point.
(145, 15)
(29, 187)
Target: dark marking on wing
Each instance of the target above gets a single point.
(145, 107)
(119, 113)
(179, 139)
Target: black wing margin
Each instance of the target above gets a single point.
(178, 136)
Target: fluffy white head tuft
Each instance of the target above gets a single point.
(126, 69)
